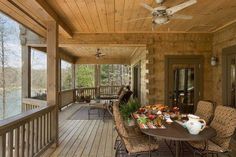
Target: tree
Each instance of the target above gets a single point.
(3, 60)
(85, 76)
(8, 74)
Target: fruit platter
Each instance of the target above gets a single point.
(156, 116)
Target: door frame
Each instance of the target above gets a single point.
(198, 60)
(226, 52)
(138, 64)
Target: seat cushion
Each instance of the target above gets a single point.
(211, 146)
(141, 144)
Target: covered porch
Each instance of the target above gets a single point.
(178, 63)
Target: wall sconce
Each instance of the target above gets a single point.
(214, 60)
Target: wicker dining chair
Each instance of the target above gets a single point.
(205, 110)
(224, 123)
(123, 99)
(135, 143)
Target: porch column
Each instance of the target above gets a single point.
(52, 72)
(73, 81)
(26, 71)
(97, 79)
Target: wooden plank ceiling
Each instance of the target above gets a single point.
(112, 15)
(77, 17)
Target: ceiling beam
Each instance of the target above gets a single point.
(131, 38)
(55, 16)
(93, 60)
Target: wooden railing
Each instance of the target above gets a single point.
(87, 91)
(102, 91)
(66, 97)
(29, 104)
(29, 133)
(108, 90)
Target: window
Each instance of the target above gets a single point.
(85, 75)
(38, 74)
(114, 74)
(10, 68)
(66, 75)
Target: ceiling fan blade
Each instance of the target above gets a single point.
(143, 18)
(172, 10)
(148, 7)
(180, 16)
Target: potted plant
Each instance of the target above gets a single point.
(127, 109)
(87, 98)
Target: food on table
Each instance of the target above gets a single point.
(141, 110)
(151, 125)
(159, 113)
(151, 116)
(136, 116)
(184, 117)
(169, 121)
(142, 120)
(158, 121)
(175, 109)
(143, 126)
(158, 107)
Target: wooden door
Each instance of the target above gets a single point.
(183, 81)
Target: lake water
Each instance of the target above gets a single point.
(13, 104)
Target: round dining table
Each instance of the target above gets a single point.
(178, 133)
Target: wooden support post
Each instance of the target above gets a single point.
(73, 81)
(97, 79)
(26, 71)
(52, 73)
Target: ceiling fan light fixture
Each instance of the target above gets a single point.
(159, 1)
(161, 20)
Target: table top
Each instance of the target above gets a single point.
(177, 132)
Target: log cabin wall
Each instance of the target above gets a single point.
(221, 39)
(140, 57)
(176, 44)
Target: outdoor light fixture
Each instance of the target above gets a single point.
(213, 60)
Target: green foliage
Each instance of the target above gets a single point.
(67, 81)
(85, 76)
(126, 109)
(105, 74)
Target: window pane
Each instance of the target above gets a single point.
(114, 75)
(85, 75)
(10, 68)
(38, 74)
(66, 75)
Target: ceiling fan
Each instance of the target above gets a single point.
(162, 15)
(99, 54)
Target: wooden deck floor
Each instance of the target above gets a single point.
(83, 137)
